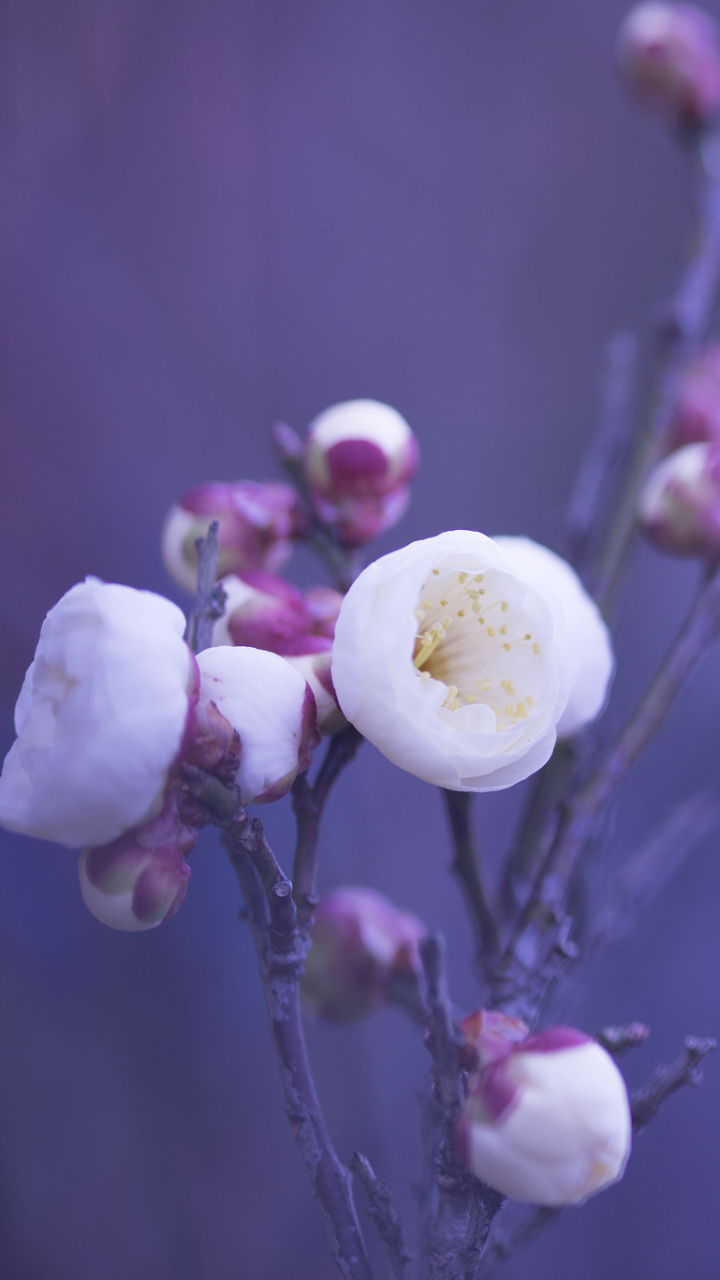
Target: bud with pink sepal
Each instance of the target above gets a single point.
(669, 55)
(257, 524)
(679, 505)
(547, 1120)
(364, 955)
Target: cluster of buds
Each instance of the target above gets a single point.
(547, 1117)
(679, 505)
(257, 524)
(113, 709)
(363, 956)
(358, 461)
(266, 612)
(669, 55)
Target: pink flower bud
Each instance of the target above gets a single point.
(257, 523)
(265, 612)
(359, 520)
(140, 879)
(489, 1035)
(669, 54)
(549, 1121)
(680, 504)
(696, 415)
(364, 953)
(359, 449)
(271, 709)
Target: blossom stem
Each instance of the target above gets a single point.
(465, 866)
(465, 1206)
(281, 952)
(308, 803)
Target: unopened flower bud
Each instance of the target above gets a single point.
(549, 1121)
(316, 669)
(101, 717)
(696, 413)
(364, 953)
(489, 1035)
(257, 523)
(680, 503)
(669, 54)
(270, 707)
(140, 879)
(265, 612)
(359, 459)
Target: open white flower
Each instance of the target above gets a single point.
(271, 708)
(550, 1122)
(451, 660)
(586, 647)
(100, 717)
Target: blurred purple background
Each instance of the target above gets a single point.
(216, 214)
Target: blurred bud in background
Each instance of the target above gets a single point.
(548, 1122)
(680, 503)
(270, 707)
(140, 879)
(257, 523)
(364, 955)
(696, 415)
(359, 459)
(265, 612)
(669, 55)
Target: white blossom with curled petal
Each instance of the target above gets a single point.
(100, 718)
(451, 660)
(587, 651)
(549, 1123)
(271, 708)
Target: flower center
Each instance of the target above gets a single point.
(475, 636)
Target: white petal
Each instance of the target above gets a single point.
(263, 697)
(100, 717)
(587, 646)
(382, 693)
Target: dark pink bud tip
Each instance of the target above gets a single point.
(358, 468)
(553, 1039)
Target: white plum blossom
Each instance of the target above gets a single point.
(270, 707)
(586, 646)
(452, 661)
(100, 718)
(549, 1123)
(679, 505)
(316, 669)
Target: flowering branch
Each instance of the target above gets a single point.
(382, 1211)
(466, 868)
(308, 804)
(281, 952)
(210, 600)
(465, 1206)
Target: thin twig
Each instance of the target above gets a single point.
(646, 1103)
(466, 867)
(308, 803)
(586, 809)
(503, 1245)
(210, 599)
(465, 1206)
(342, 562)
(538, 826)
(644, 874)
(619, 1040)
(382, 1211)
(682, 329)
(603, 462)
(281, 952)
